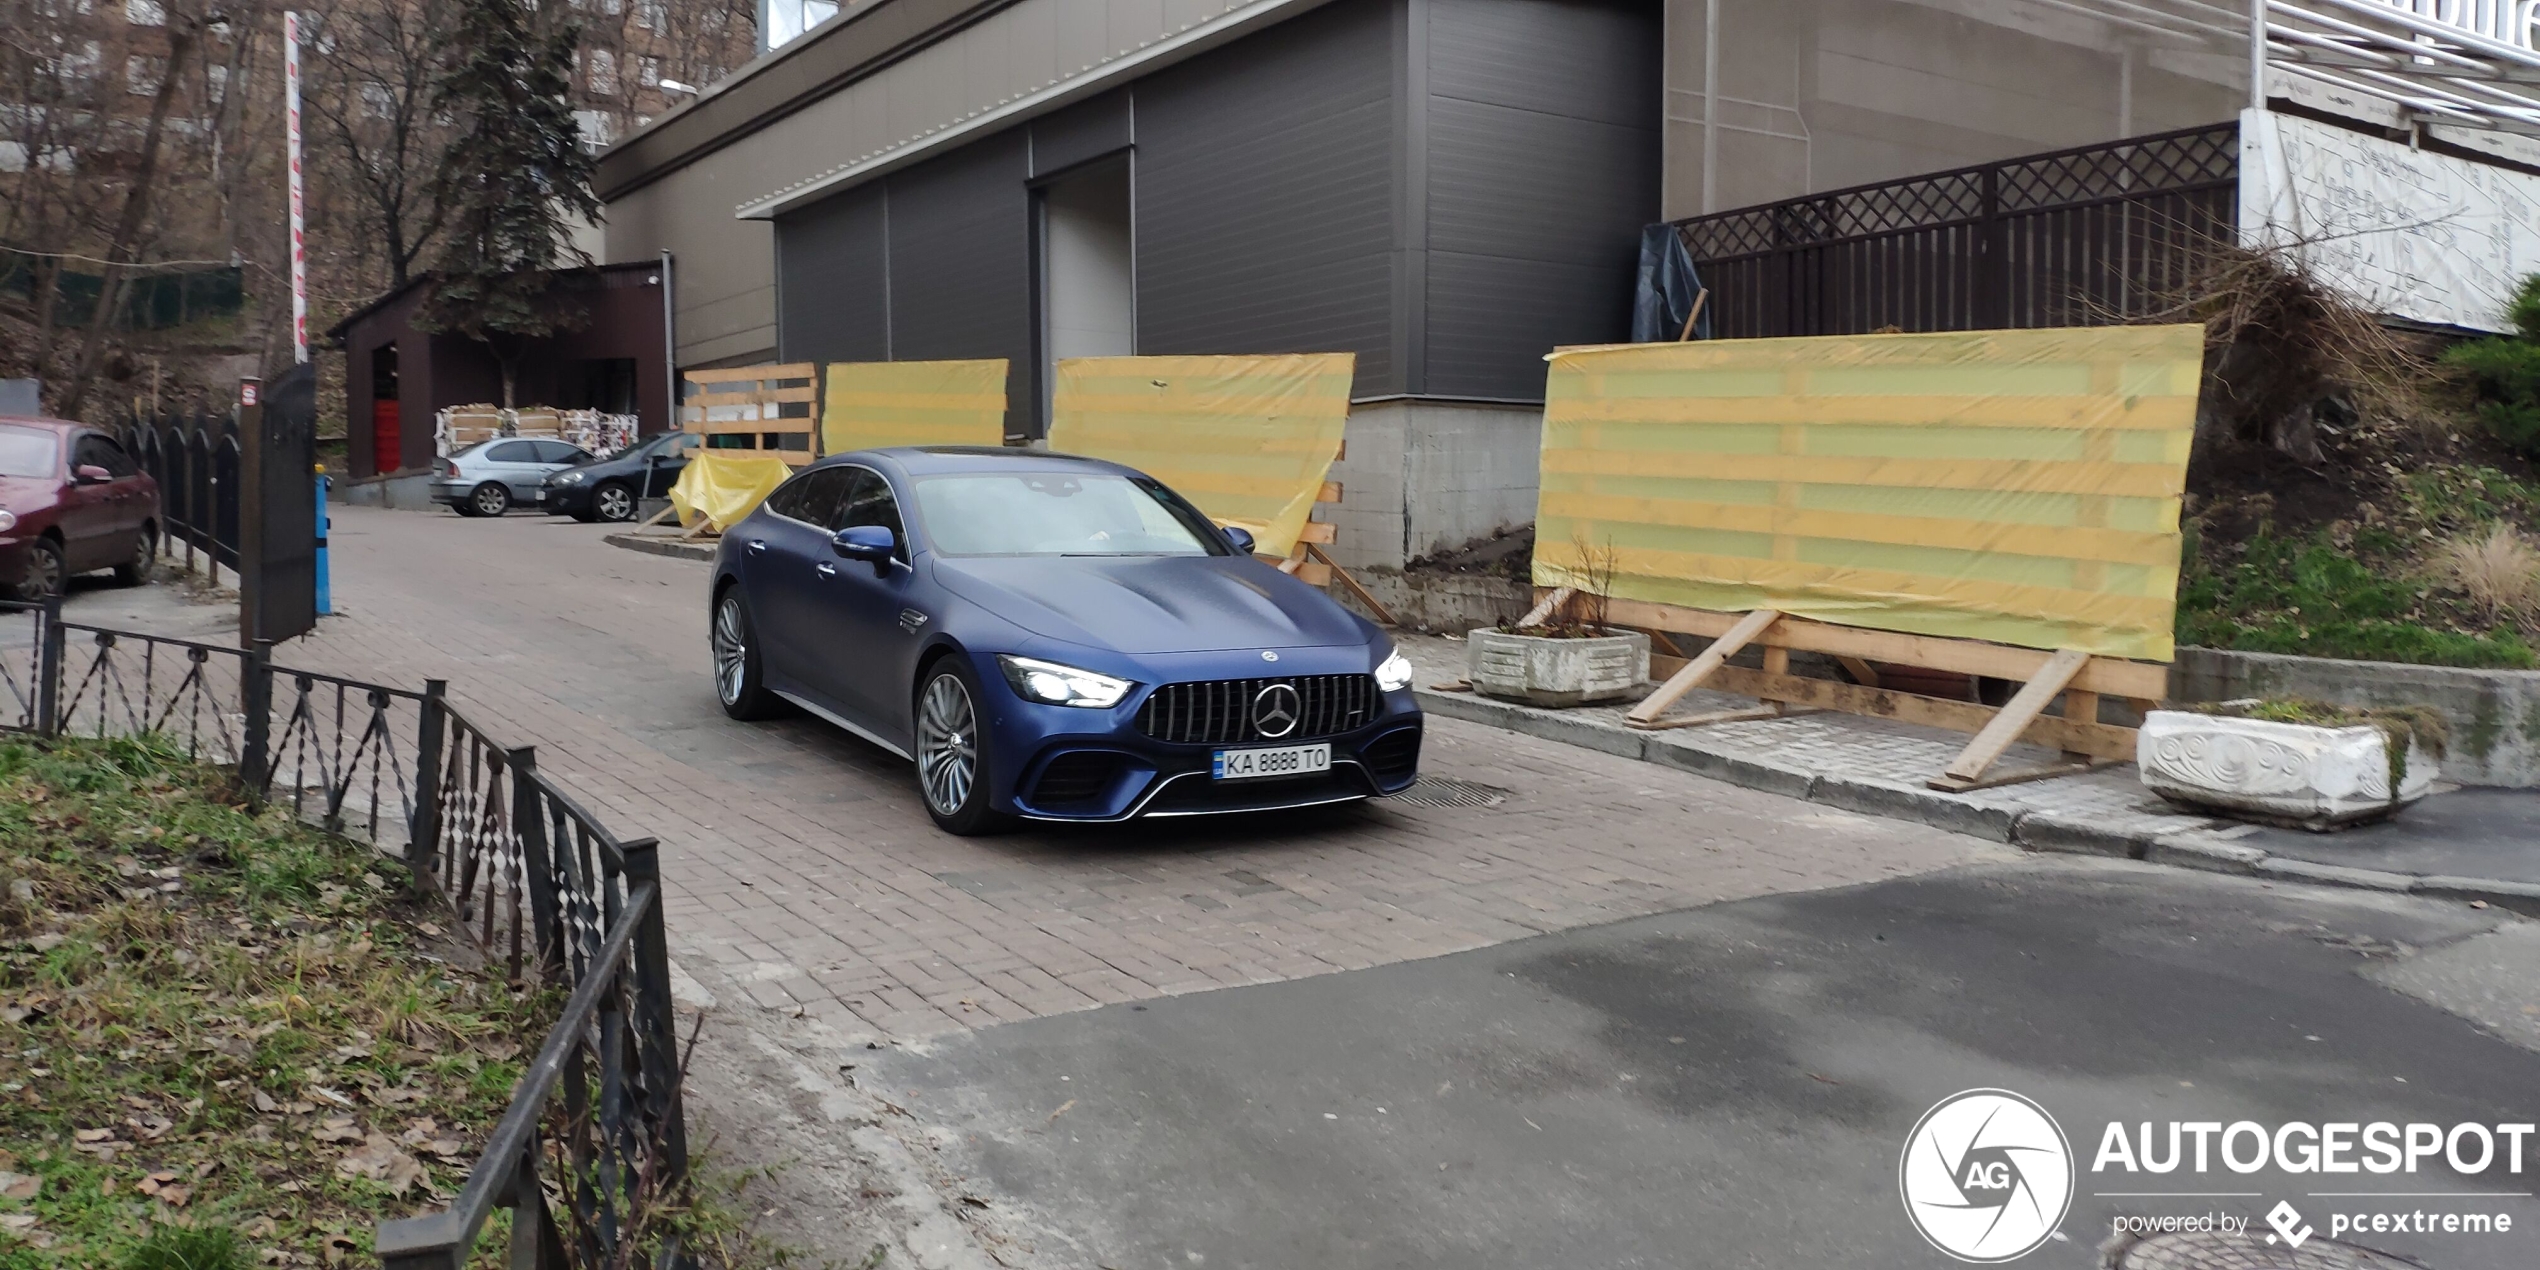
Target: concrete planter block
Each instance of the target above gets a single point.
(1555, 672)
(2297, 774)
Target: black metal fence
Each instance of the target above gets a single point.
(595, 1128)
(2079, 237)
(194, 456)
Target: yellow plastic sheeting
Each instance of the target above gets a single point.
(1248, 439)
(869, 405)
(725, 485)
(2015, 486)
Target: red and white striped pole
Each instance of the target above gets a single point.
(299, 249)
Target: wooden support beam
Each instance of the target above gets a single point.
(1383, 615)
(1862, 672)
(1769, 710)
(2025, 707)
(1318, 531)
(2106, 675)
(1546, 607)
(2099, 740)
(1702, 667)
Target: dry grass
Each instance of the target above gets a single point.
(2498, 570)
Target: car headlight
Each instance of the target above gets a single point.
(1395, 674)
(8, 521)
(1053, 684)
(570, 478)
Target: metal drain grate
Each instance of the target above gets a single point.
(1438, 791)
(2200, 1250)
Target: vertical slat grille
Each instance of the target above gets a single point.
(1219, 711)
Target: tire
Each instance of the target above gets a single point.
(740, 681)
(953, 756)
(145, 556)
(47, 571)
(489, 499)
(613, 502)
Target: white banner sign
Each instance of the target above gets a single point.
(2412, 234)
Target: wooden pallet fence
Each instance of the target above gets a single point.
(776, 406)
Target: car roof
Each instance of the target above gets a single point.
(62, 426)
(936, 460)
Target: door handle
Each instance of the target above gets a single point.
(825, 569)
(756, 546)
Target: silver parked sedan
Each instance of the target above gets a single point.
(486, 478)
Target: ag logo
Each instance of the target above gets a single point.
(1987, 1176)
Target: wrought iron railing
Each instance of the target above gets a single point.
(595, 1130)
(2079, 237)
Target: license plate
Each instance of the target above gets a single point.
(1291, 760)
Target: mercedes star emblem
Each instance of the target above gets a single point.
(1275, 710)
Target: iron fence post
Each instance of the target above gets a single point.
(255, 690)
(537, 863)
(423, 835)
(654, 1021)
(48, 669)
(1993, 274)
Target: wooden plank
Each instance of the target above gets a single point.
(1700, 668)
(1313, 572)
(1330, 493)
(2027, 704)
(1862, 672)
(1383, 615)
(1318, 531)
(2106, 675)
(1545, 607)
(2099, 740)
(2023, 775)
(1773, 710)
(730, 374)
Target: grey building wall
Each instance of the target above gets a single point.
(1822, 94)
(1542, 163)
(1264, 178)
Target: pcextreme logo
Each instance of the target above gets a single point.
(1987, 1176)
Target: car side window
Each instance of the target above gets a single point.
(811, 498)
(88, 451)
(559, 452)
(869, 502)
(513, 452)
(112, 456)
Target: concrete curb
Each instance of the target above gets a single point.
(2208, 850)
(662, 547)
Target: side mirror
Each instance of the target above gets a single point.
(873, 543)
(1242, 538)
(91, 474)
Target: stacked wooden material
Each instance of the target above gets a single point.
(776, 407)
(456, 428)
(1315, 566)
(537, 421)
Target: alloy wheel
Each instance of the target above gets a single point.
(947, 744)
(46, 571)
(491, 500)
(731, 650)
(614, 503)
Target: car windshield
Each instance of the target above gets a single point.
(27, 452)
(1058, 514)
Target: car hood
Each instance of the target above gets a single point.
(1152, 604)
(22, 494)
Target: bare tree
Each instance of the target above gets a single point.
(367, 102)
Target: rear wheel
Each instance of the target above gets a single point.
(739, 682)
(613, 502)
(952, 752)
(145, 554)
(489, 499)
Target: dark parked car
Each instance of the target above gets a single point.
(608, 489)
(1053, 638)
(71, 501)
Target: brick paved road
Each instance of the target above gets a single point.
(804, 874)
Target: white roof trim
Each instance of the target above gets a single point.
(1196, 38)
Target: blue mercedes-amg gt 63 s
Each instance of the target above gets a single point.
(1053, 638)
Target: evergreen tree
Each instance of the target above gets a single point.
(514, 173)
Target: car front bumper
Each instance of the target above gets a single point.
(1108, 770)
(567, 498)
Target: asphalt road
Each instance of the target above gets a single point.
(1731, 1085)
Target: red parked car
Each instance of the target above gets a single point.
(71, 501)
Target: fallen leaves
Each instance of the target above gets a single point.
(380, 1160)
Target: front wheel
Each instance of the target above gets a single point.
(952, 753)
(739, 681)
(47, 571)
(613, 503)
(490, 499)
